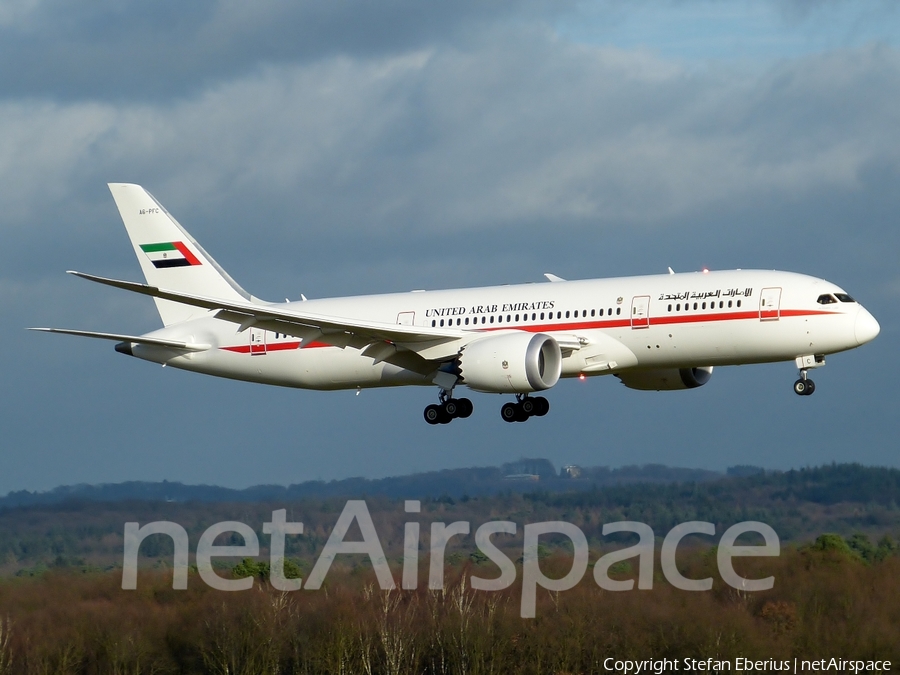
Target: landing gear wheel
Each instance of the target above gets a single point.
(802, 387)
(465, 408)
(521, 414)
(448, 410)
(433, 414)
(509, 412)
(541, 406)
(527, 406)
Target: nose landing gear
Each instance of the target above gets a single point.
(804, 386)
(524, 407)
(448, 409)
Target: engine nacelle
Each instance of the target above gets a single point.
(666, 379)
(511, 363)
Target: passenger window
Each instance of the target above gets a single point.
(739, 303)
(593, 312)
(618, 310)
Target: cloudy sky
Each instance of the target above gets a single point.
(355, 147)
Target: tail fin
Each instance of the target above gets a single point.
(170, 258)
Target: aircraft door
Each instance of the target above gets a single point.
(640, 311)
(770, 304)
(406, 318)
(257, 341)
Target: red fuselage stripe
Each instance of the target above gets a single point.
(668, 320)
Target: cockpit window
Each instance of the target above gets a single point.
(826, 299)
(843, 297)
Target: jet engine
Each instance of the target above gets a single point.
(666, 379)
(511, 363)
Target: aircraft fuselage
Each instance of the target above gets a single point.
(660, 321)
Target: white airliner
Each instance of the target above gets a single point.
(661, 332)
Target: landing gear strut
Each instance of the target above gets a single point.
(448, 409)
(524, 407)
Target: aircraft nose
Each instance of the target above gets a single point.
(867, 327)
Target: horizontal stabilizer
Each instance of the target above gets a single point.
(137, 339)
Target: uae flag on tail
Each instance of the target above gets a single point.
(169, 254)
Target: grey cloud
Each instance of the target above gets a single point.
(111, 50)
(413, 152)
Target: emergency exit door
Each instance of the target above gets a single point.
(257, 341)
(640, 311)
(770, 304)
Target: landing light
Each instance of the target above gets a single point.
(582, 377)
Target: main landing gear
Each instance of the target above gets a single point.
(524, 407)
(448, 409)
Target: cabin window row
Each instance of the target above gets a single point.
(516, 318)
(702, 305)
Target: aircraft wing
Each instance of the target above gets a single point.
(337, 331)
(138, 339)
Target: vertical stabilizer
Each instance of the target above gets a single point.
(170, 258)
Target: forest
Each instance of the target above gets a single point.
(828, 602)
